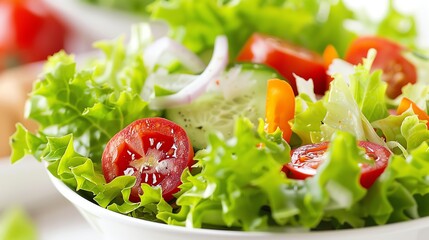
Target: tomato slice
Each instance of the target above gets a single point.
(287, 59)
(397, 70)
(306, 159)
(154, 150)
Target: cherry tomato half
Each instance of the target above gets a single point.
(29, 32)
(287, 59)
(306, 159)
(397, 70)
(154, 150)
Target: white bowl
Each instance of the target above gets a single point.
(113, 225)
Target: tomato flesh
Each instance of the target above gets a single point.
(287, 58)
(306, 159)
(154, 150)
(397, 70)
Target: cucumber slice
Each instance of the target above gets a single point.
(213, 112)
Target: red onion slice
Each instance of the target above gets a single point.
(196, 88)
(156, 50)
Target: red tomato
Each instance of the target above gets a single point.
(286, 58)
(154, 150)
(397, 70)
(28, 32)
(306, 159)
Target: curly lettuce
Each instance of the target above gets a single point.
(93, 103)
(241, 186)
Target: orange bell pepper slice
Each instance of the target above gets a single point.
(280, 107)
(407, 103)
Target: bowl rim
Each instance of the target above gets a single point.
(81, 203)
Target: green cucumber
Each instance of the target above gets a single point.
(212, 112)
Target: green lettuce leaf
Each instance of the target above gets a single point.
(344, 114)
(24, 143)
(66, 101)
(406, 130)
(369, 90)
(308, 119)
(123, 67)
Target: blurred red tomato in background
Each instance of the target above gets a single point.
(29, 32)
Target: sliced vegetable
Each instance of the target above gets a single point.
(280, 107)
(397, 70)
(241, 91)
(154, 150)
(306, 159)
(160, 47)
(195, 89)
(287, 59)
(406, 103)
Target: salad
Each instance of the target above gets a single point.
(245, 128)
